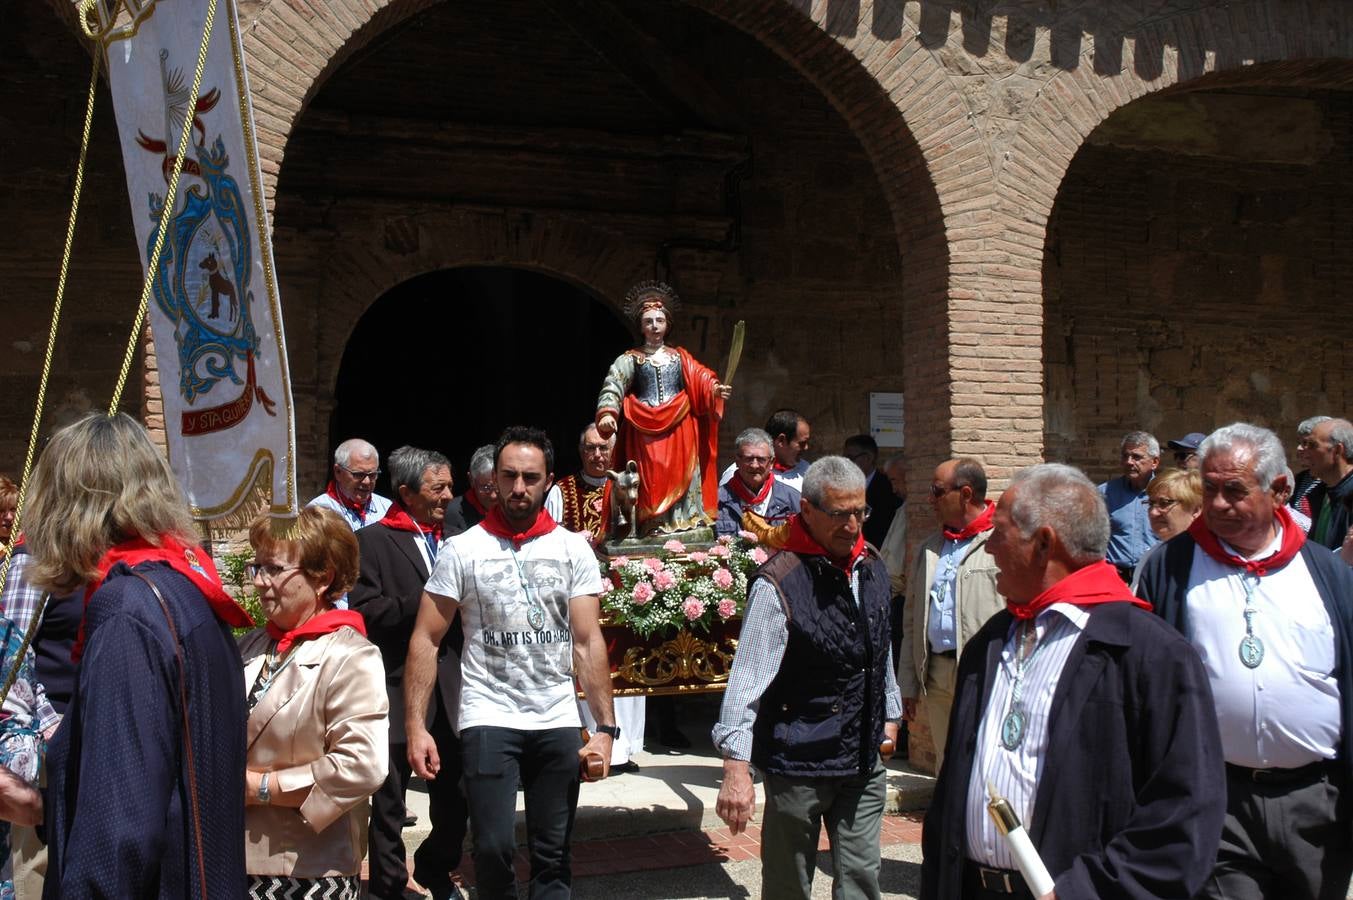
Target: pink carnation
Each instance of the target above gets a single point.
(720, 550)
(749, 536)
(699, 557)
(693, 607)
(759, 556)
(726, 539)
(654, 565)
(619, 562)
(674, 546)
(728, 608)
(723, 578)
(643, 592)
(606, 587)
(664, 580)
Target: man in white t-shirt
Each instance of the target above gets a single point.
(526, 591)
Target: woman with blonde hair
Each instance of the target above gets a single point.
(318, 733)
(146, 772)
(1174, 498)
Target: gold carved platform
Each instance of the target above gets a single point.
(689, 662)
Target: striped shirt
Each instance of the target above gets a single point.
(761, 649)
(1015, 773)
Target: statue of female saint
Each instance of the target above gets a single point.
(666, 407)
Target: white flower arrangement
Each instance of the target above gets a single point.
(680, 589)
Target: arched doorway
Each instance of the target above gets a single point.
(661, 142)
(446, 360)
(1195, 268)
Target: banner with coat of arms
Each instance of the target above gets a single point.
(215, 315)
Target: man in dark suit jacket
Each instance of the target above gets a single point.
(863, 450)
(1080, 708)
(397, 554)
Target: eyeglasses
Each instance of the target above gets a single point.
(267, 571)
(362, 476)
(1183, 456)
(753, 458)
(1162, 504)
(939, 490)
(841, 516)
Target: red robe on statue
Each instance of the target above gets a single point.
(669, 440)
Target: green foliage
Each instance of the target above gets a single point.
(237, 581)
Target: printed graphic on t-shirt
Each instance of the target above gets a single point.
(524, 631)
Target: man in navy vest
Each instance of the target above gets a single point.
(814, 727)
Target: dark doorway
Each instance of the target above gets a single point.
(448, 359)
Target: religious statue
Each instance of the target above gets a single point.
(666, 407)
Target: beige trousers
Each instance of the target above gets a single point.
(30, 862)
(940, 678)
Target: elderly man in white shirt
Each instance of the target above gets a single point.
(1271, 615)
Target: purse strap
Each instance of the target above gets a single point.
(195, 810)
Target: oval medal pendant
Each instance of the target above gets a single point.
(536, 617)
(1251, 651)
(1012, 729)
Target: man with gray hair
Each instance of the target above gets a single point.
(397, 556)
(1308, 492)
(1088, 714)
(811, 695)
(352, 488)
(470, 508)
(1330, 454)
(1131, 535)
(1271, 615)
(754, 486)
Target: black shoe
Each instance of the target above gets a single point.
(629, 767)
(672, 737)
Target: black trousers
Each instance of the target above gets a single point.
(440, 853)
(546, 762)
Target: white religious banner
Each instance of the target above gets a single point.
(215, 315)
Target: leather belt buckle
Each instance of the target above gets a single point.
(995, 880)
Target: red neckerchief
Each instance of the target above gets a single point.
(1092, 585)
(192, 563)
(777, 466)
(745, 495)
(324, 623)
(1292, 540)
(357, 507)
(800, 541)
(975, 527)
(398, 518)
(473, 499)
(495, 523)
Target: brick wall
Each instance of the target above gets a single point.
(1200, 276)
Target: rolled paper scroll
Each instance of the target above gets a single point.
(1030, 864)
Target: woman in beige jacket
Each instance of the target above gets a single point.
(317, 738)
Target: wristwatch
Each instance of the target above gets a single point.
(612, 730)
(264, 795)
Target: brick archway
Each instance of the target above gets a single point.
(891, 91)
(1191, 256)
(1125, 61)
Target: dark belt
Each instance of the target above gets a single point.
(951, 654)
(1005, 882)
(1307, 774)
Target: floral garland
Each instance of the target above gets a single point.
(679, 589)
